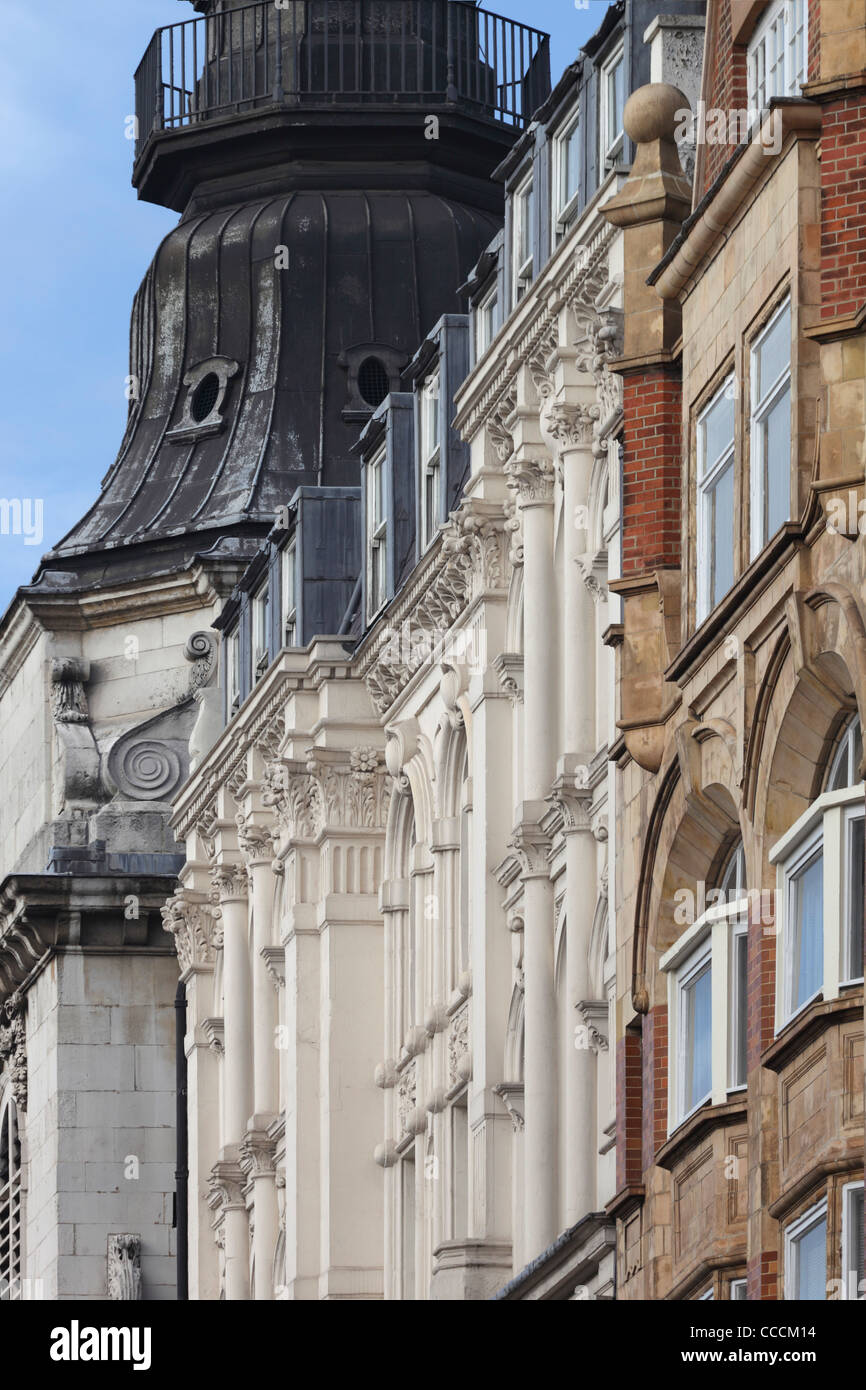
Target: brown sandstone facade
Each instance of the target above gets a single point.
(739, 878)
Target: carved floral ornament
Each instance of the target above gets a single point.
(328, 791)
(471, 560)
(13, 1053)
(196, 927)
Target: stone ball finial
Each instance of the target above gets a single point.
(652, 112)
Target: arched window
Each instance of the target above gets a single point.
(10, 1201)
(819, 888)
(708, 1046)
(844, 769)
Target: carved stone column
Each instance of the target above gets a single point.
(257, 1161)
(230, 882)
(540, 1036)
(573, 802)
(256, 846)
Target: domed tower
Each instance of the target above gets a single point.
(330, 160)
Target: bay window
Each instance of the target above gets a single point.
(715, 540)
(707, 979)
(806, 1255)
(771, 428)
(777, 53)
(819, 892)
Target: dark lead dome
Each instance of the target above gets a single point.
(363, 271)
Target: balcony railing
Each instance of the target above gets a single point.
(340, 53)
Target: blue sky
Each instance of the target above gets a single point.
(75, 242)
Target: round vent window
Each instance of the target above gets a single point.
(205, 397)
(373, 382)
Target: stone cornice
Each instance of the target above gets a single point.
(42, 915)
(258, 723)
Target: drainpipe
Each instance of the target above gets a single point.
(181, 1173)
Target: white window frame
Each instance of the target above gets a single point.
(259, 643)
(705, 1297)
(565, 203)
(610, 143)
(289, 609)
(793, 1235)
(849, 1292)
(705, 485)
(522, 211)
(233, 669)
(12, 1204)
(738, 1285)
(486, 326)
(430, 456)
(822, 824)
(760, 409)
(377, 534)
(710, 937)
(774, 38)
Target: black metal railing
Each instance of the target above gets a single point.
(340, 52)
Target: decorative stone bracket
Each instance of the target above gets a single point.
(13, 1052)
(651, 633)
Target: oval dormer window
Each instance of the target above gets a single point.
(205, 397)
(373, 381)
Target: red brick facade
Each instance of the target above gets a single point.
(651, 507)
(843, 208)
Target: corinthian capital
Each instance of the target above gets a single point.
(532, 479)
(230, 882)
(571, 426)
(255, 841)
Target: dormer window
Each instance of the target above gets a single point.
(611, 107)
(486, 321)
(261, 611)
(430, 459)
(566, 177)
(233, 670)
(287, 561)
(377, 535)
(523, 212)
(777, 53)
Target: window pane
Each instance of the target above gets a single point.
(854, 1226)
(570, 154)
(811, 1256)
(738, 1021)
(698, 1051)
(808, 932)
(718, 427)
(853, 965)
(722, 535)
(774, 354)
(777, 463)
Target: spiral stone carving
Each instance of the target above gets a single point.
(146, 770)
